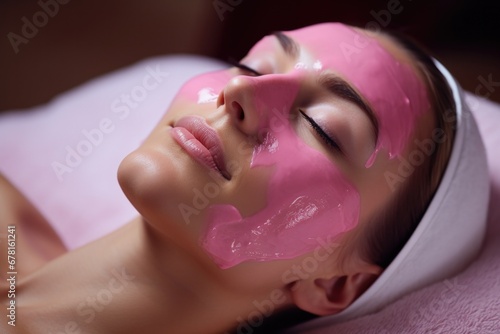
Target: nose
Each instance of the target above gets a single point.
(252, 101)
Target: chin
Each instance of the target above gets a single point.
(158, 186)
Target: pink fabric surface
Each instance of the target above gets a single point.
(468, 302)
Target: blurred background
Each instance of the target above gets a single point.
(49, 46)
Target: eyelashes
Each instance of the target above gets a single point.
(244, 68)
(322, 134)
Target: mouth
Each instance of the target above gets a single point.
(201, 142)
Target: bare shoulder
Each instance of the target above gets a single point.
(25, 235)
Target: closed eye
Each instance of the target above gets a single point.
(324, 136)
(244, 68)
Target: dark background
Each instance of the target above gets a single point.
(87, 38)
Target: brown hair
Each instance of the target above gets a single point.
(388, 231)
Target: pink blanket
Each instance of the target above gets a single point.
(34, 141)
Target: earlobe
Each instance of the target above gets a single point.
(325, 296)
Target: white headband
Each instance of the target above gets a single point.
(450, 233)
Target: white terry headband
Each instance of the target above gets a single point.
(451, 232)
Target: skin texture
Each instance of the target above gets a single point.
(156, 272)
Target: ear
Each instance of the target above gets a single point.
(325, 296)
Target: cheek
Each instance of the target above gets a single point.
(204, 88)
(309, 202)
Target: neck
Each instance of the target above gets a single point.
(133, 281)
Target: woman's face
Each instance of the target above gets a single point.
(268, 160)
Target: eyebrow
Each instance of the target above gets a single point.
(336, 85)
(341, 88)
(290, 47)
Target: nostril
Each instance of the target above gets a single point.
(238, 111)
(220, 99)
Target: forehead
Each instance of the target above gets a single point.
(389, 85)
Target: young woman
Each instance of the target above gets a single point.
(297, 151)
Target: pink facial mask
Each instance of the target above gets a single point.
(395, 94)
(308, 197)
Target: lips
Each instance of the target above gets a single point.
(201, 142)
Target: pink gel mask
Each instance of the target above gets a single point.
(308, 198)
(391, 88)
